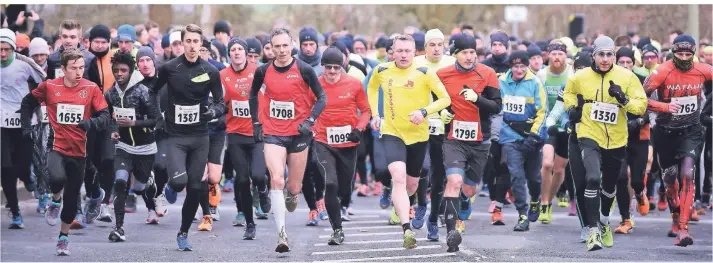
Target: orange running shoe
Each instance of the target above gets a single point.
(363, 190)
(412, 213)
(694, 216)
(683, 238)
(662, 201)
(378, 188)
(624, 227)
(313, 218)
(642, 205)
(497, 217)
(206, 223)
(674, 225)
(213, 194)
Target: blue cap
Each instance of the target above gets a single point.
(165, 40)
(126, 32)
(420, 39)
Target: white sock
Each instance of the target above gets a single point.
(278, 208)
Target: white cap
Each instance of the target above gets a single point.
(6, 35)
(175, 36)
(434, 34)
(39, 46)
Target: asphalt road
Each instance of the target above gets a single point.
(368, 238)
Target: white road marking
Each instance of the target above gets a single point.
(369, 242)
(364, 227)
(368, 234)
(392, 258)
(373, 250)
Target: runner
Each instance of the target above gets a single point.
(39, 52)
(405, 144)
(71, 100)
(336, 136)
(189, 81)
(20, 75)
(254, 49)
(473, 88)
(678, 135)
(535, 54)
(602, 133)
(132, 131)
(523, 134)
(267, 53)
(287, 121)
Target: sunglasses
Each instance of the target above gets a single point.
(6, 49)
(330, 67)
(650, 57)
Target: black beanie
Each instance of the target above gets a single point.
(332, 56)
(101, 31)
(239, 41)
(309, 34)
(254, 46)
(265, 41)
(359, 39)
(206, 44)
(500, 37)
(389, 44)
(340, 46)
(534, 50)
(624, 52)
(519, 56)
(382, 42)
(583, 59)
(462, 42)
(643, 42)
(221, 26)
(649, 48)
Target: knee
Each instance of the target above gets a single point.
(559, 171)
(398, 180)
(593, 181)
(548, 165)
(138, 187)
(277, 183)
(454, 183)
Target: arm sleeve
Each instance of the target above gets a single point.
(313, 81)
(372, 90)
(254, 89)
(570, 93)
(363, 105)
(38, 29)
(113, 127)
(436, 86)
(540, 105)
(152, 115)
(101, 117)
(27, 107)
(651, 84)
(637, 97)
(216, 88)
(154, 90)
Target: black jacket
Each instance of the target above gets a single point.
(135, 96)
(500, 67)
(53, 62)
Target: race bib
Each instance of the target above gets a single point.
(11, 120)
(69, 114)
(514, 104)
(187, 114)
(604, 113)
(241, 108)
(125, 113)
(282, 110)
(338, 135)
(465, 130)
(434, 126)
(689, 104)
(58, 73)
(45, 117)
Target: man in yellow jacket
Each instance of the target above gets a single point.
(597, 100)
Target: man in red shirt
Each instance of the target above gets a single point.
(71, 102)
(475, 95)
(337, 134)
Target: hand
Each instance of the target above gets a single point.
(376, 123)
(469, 94)
(28, 134)
(354, 136)
(552, 130)
(633, 124)
(34, 16)
(305, 127)
(575, 113)
(124, 122)
(257, 132)
(208, 115)
(532, 143)
(447, 116)
(115, 137)
(673, 107)
(416, 117)
(616, 92)
(20, 18)
(85, 125)
(160, 124)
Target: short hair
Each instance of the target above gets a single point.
(466, 27)
(481, 51)
(70, 24)
(70, 55)
(191, 28)
(139, 28)
(676, 31)
(123, 58)
(279, 31)
(150, 25)
(404, 37)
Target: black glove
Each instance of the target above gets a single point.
(575, 113)
(354, 136)
(616, 92)
(532, 143)
(257, 132)
(305, 127)
(208, 115)
(634, 124)
(552, 130)
(85, 125)
(28, 134)
(160, 124)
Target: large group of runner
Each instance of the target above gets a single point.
(419, 119)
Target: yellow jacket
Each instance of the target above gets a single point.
(595, 88)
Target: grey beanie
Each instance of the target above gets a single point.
(603, 43)
(145, 51)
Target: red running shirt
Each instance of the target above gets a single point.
(671, 84)
(237, 91)
(287, 102)
(340, 115)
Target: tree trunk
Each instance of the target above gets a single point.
(161, 14)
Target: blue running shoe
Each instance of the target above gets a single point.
(484, 191)
(182, 240)
(170, 194)
(432, 231)
(534, 212)
(17, 222)
(80, 222)
(465, 209)
(42, 203)
(385, 200)
(239, 219)
(260, 214)
(418, 220)
(228, 186)
(63, 246)
(92, 207)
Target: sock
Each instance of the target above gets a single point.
(412, 200)
(451, 213)
(406, 226)
(62, 234)
(278, 208)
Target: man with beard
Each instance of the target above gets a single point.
(309, 49)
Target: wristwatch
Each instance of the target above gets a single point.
(424, 112)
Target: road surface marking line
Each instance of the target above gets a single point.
(364, 222)
(364, 227)
(389, 258)
(369, 242)
(372, 250)
(368, 234)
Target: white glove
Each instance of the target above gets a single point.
(469, 95)
(446, 116)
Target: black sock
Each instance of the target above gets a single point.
(406, 226)
(62, 234)
(451, 214)
(412, 199)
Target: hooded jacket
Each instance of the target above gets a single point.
(524, 107)
(136, 97)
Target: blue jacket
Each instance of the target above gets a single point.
(524, 107)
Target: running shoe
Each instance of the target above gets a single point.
(497, 217)
(543, 213)
(80, 222)
(349, 209)
(700, 207)
(694, 216)
(290, 202)
(92, 207)
(206, 223)
(130, 203)
(594, 239)
(432, 231)
(385, 200)
(453, 239)
(683, 238)
(409, 239)
(652, 203)
(52, 213)
(484, 191)
(378, 189)
(213, 194)
(419, 219)
(42, 203)
(161, 208)
(265, 201)
(345, 215)
(313, 218)
(214, 213)
(624, 227)
(322, 210)
(170, 194)
(394, 219)
(510, 198)
(228, 186)
(572, 208)
(260, 214)
(239, 219)
(17, 222)
(662, 201)
(675, 227)
(606, 234)
(337, 238)
(491, 208)
(152, 219)
(460, 225)
(282, 242)
(563, 200)
(31, 184)
(642, 205)
(105, 213)
(63, 246)
(249, 232)
(117, 235)
(548, 216)
(522, 224)
(534, 212)
(465, 209)
(583, 235)
(182, 240)
(441, 221)
(363, 190)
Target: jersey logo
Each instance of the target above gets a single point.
(422, 69)
(250, 75)
(83, 94)
(227, 78)
(291, 76)
(380, 69)
(201, 78)
(409, 84)
(57, 94)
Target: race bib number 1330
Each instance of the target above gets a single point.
(604, 113)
